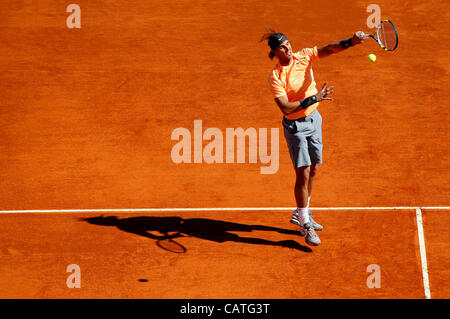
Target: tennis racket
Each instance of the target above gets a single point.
(386, 35)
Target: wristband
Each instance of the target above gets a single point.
(346, 43)
(308, 101)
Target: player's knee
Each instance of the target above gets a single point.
(313, 170)
(303, 173)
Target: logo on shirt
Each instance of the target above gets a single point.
(298, 60)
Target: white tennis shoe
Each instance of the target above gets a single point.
(296, 221)
(308, 230)
(311, 237)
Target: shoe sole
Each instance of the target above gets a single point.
(312, 244)
(295, 222)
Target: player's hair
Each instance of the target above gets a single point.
(266, 36)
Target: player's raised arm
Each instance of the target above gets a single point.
(339, 46)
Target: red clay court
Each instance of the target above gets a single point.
(85, 131)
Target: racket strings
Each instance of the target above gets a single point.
(387, 35)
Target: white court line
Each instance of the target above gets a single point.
(219, 209)
(423, 253)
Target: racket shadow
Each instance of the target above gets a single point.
(171, 229)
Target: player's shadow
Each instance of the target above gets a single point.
(204, 228)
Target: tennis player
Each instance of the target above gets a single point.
(295, 93)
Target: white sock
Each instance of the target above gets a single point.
(309, 199)
(303, 215)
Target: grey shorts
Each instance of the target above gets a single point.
(304, 139)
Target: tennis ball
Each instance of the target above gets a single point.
(372, 57)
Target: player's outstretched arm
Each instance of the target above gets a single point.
(339, 46)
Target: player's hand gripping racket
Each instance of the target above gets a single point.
(386, 35)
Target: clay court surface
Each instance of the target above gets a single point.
(86, 118)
